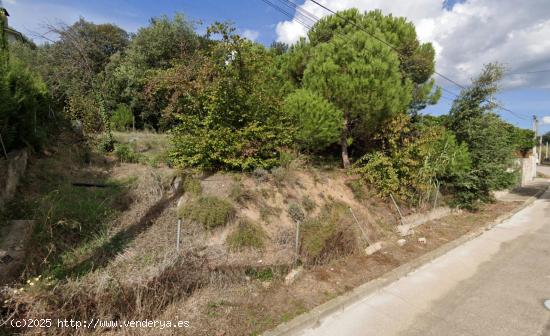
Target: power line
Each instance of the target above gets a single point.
(305, 15)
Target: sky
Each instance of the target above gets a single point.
(465, 33)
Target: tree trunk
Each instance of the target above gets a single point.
(344, 143)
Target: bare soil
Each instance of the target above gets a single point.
(219, 291)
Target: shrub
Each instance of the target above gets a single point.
(261, 175)
(192, 185)
(209, 211)
(122, 118)
(329, 235)
(125, 153)
(296, 213)
(247, 234)
(24, 113)
(106, 143)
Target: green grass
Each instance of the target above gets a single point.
(209, 211)
(247, 234)
(265, 274)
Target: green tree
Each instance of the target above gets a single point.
(360, 76)
(489, 139)
(153, 48)
(225, 104)
(416, 60)
(317, 121)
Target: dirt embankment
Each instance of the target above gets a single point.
(238, 242)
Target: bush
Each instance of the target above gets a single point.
(24, 105)
(247, 234)
(192, 185)
(209, 211)
(125, 153)
(229, 116)
(122, 118)
(329, 235)
(106, 143)
(419, 158)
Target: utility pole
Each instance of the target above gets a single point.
(540, 149)
(535, 130)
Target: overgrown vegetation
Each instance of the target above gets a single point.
(328, 235)
(24, 100)
(246, 234)
(209, 211)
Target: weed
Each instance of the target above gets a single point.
(247, 234)
(308, 204)
(209, 211)
(296, 213)
(357, 188)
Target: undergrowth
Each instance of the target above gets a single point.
(209, 211)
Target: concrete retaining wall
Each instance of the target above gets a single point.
(11, 171)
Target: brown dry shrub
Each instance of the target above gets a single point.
(329, 235)
(105, 297)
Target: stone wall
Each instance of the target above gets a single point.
(11, 171)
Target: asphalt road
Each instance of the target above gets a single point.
(492, 285)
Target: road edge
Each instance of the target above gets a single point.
(314, 316)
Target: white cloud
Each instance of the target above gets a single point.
(472, 33)
(546, 120)
(252, 35)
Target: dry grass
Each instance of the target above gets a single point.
(134, 272)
